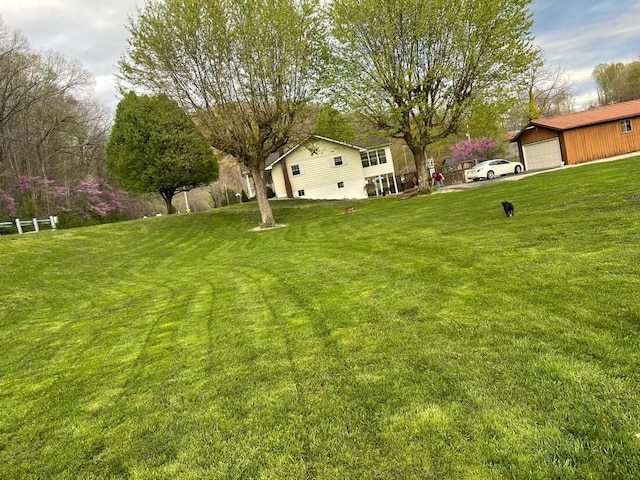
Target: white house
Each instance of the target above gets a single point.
(322, 168)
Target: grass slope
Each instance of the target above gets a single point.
(413, 339)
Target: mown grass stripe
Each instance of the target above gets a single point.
(421, 338)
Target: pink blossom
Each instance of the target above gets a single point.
(61, 192)
(31, 184)
(100, 198)
(8, 204)
(87, 198)
(88, 187)
(473, 150)
(25, 184)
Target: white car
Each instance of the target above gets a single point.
(493, 168)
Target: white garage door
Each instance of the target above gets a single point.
(542, 155)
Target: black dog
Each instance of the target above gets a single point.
(508, 208)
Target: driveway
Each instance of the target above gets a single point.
(508, 178)
(458, 187)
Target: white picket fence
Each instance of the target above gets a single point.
(34, 223)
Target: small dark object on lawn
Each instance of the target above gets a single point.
(508, 208)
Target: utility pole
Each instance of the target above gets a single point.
(404, 152)
(186, 202)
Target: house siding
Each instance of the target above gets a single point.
(537, 134)
(320, 177)
(600, 141)
(277, 178)
(351, 189)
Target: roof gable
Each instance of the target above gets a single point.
(269, 165)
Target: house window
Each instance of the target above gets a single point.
(295, 170)
(374, 157)
(625, 126)
(340, 184)
(301, 193)
(368, 159)
(337, 161)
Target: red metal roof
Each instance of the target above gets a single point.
(592, 116)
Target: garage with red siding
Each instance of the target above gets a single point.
(580, 137)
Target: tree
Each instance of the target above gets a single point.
(85, 200)
(473, 150)
(245, 69)
(543, 91)
(333, 124)
(617, 82)
(416, 68)
(49, 127)
(155, 147)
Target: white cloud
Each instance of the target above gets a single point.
(585, 36)
(576, 34)
(90, 31)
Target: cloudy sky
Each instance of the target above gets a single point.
(580, 34)
(577, 34)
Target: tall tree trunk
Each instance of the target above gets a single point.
(257, 171)
(168, 200)
(419, 155)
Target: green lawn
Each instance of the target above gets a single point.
(428, 338)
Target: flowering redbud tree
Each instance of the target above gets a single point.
(30, 193)
(473, 150)
(7, 205)
(85, 200)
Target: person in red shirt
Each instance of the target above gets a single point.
(439, 179)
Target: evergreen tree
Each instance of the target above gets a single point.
(155, 147)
